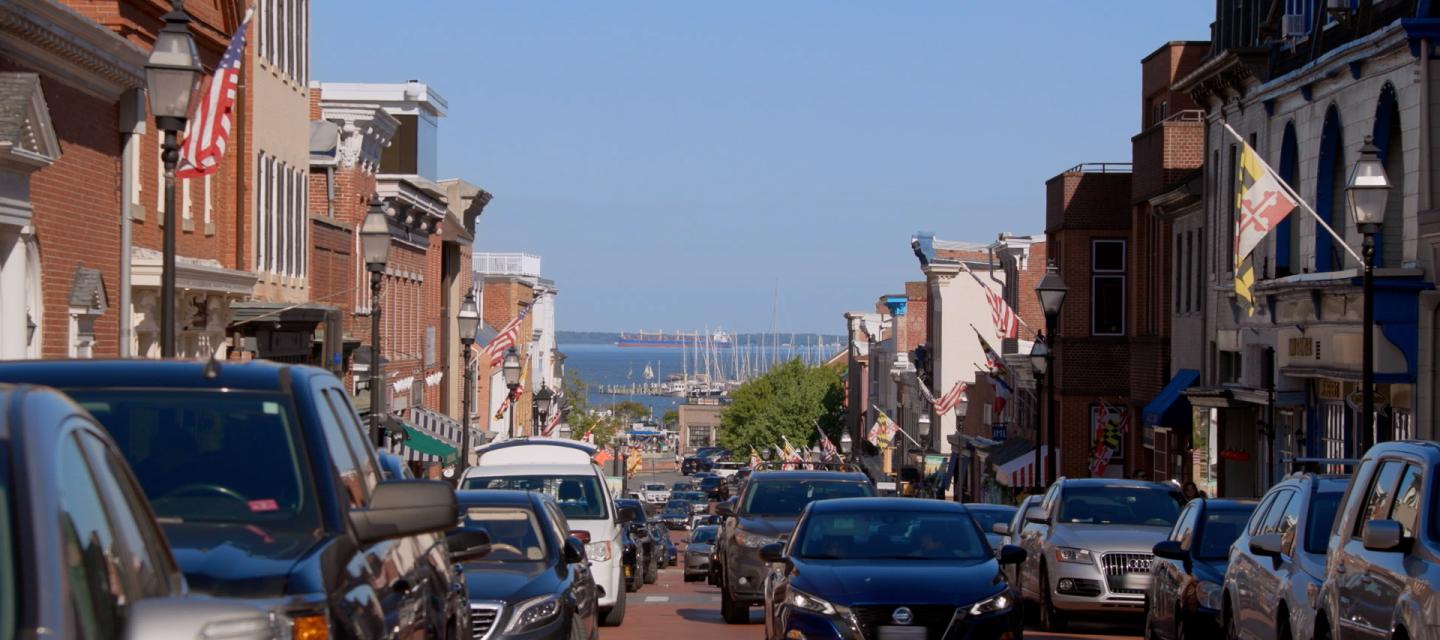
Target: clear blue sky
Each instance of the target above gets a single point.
(672, 160)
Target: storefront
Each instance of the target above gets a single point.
(1166, 428)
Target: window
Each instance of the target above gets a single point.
(579, 497)
(1219, 530)
(1184, 530)
(1275, 515)
(1289, 522)
(356, 436)
(209, 208)
(1407, 500)
(1258, 517)
(89, 548)
(1378, 499)
(145, 569)
(347, 465)
(1107, 265)
(281, 229)
(1181, 296)
(1332, 440)
(185, 209)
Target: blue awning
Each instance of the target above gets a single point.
(1170, 408)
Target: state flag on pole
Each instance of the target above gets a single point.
(1262, 201)
(883, 431)
(992, 359)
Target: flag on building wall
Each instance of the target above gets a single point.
(992, 358)
(1110, 423)
(949, 401)
(1007, 322)
(1244, 282)
(1262, 200)
(505, 338)
(883, 431)
(202, 145)
(1002, 394)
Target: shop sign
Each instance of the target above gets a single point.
(1330, 389)
(1235, 456)
(1303, 347)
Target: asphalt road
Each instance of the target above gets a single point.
(672, 609)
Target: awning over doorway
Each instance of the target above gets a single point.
(1014, 462)
(1169, 408)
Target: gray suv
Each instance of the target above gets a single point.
(1092, 550)
(766, 512)
(1384, 558)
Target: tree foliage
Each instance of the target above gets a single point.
(671, 417)
(787, 402)
(581, 418)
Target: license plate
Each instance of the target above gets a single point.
(902, 633)
(1135, 581)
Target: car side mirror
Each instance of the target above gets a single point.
(1001, 528)
(574, 550)
(401, 508)
(190, 617)
(1383, 535)
(1037, 515)
(1011, 554)
(1170, 550)
(773, 552)
(1266, 544)
(726, 508)
(626, 514)
(467, 545)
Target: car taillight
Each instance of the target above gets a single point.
(584, 536)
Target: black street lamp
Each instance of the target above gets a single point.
(1051, 290)
(172, 74)
(544, 400)
(468, 320)
(511, 369)
(1367, 192)
(1040, 365)
(375, 247)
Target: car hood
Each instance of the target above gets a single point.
(508, 581)
(773, 527)
(226, 560)
(1108, 538)
(912, 582)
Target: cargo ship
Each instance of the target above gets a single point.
(718, 340)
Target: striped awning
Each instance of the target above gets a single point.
(431, 437)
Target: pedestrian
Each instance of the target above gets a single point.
(1190, 492)
(1141, 475)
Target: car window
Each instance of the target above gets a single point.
(1290, 522)
(1128, 505)
(787, 498)
(1276, 512)
(1258, 518)
(888, 534)
(1318, 522)
(704, 535)
(347, 468)
(1379, 496)
(219, 457)
(1184, 530)
(514, 533)
(986, 517)
(1406, 509)
(92, 559)
(579, 497)
(1219, 529)
(356, 437)
(143, 563)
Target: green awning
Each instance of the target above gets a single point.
(422, 442)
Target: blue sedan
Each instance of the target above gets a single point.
(1188, 573)
(892, 569)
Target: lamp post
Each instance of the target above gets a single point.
(1367, 192)
(172, 74)
(1051, 292)
(1040, 365)
(469, 321)
(544, 402)
(846, 445)
(511, 369)
(375, 245)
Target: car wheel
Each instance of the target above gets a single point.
(577, 628)
(616, 615)
(1050, 619)
(1227, 620)
(1282, 627)
(733, 612)
(652, 571)
(632, 579)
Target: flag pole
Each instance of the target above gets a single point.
(1291, 191)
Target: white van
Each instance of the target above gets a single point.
(566, 471)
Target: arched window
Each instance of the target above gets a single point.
(1389, 245)
(1330, 193)
(1287, 233)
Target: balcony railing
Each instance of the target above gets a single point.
(1100, 167)
(507, 264)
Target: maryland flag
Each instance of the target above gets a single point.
(883, 432)
(755, 459)
(1244, 280)
(992, 358)
(1262, 200)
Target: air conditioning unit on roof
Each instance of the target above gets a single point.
(1293, 26)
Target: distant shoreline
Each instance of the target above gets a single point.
(607, 337)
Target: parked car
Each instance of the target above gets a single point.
(1278, 562)
(889, 567)
(1010, 534)
(644, 536)
(989, 515)
(530, 579)
(670, 552)
(710, 485)
(89, 570)
(654, 493)
(1188, 575)
(1384, 548)
(699, 502)
(698, 549)
(1092, 552)
(766, 513)
(318, 536)
(683, 485)
(632, 560)
(565, 470)
(676, 514)
(727, 468)
(702, 460)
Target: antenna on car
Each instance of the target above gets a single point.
(212, 367)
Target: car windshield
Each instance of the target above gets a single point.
(1221, 529)
(892, 535)
(1154, 507)
(986, 517)
(655, 487)
(1320, 520)
(637, 506)
(514, 533)
(9, 595)
(693, 496)
(710, 482)
(212, 456)
(787, 498)
(677, 506)
(704, 535)
(682, 486)
(579, 496)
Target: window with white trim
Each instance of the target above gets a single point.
(283, 37)
(185, 214)
(209, 206)
(281, 234)
(1107, 281)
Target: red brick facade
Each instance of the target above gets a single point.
(504, 298)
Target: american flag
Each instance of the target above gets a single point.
(552, 424)
(950, 399)
(827, 447)
(203, 144)
(1007, 323)
(505, 339)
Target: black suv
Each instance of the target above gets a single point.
(268, 490)
(766, 512)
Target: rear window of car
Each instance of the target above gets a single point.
(986, 517)
(1323, 506)
(1142, 506)
(212, 456)
(704, 535)
(579, 497)
(1219, 530)
(787, 498)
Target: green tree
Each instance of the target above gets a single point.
(629, 410)
(582, 418)
(787, 402)
(670, 417)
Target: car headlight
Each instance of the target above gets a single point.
(1209, 594)
(598, 551)
(808, 602)
(1071, 554)
(753, 540)
(998, 602)
(534, 613)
